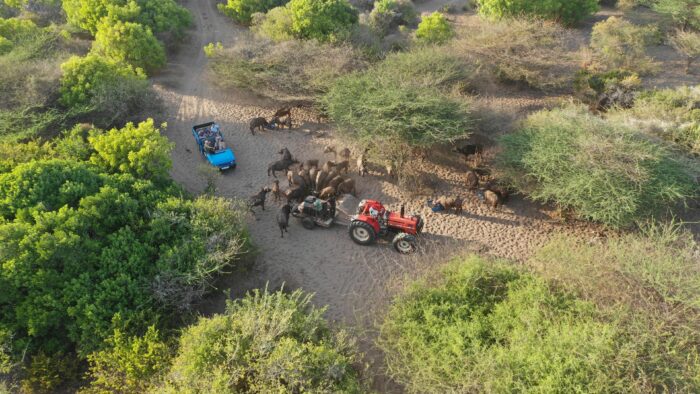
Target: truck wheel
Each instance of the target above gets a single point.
(308, 223)
(404, 243)
(362, 233)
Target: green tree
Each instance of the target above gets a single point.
(603, 170)
(162, 16)
(139, 150)
(130, 43)
(265, 342)
(87, 14)
(401, 104)
(275, 25)
(323, 20)
(83, 76)
(568, 12)
(434, 29)
(242, 10)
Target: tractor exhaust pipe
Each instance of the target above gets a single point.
(401, 211)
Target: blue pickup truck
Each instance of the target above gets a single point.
(221, 157)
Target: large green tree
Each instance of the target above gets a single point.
(160, 15)
(130, 43)
(322, 20)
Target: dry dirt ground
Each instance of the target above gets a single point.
(343, 276)
(352, 280)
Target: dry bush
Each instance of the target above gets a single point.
(619, 44)
(290, 70)
(538, 53)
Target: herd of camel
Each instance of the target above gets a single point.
(331, 179)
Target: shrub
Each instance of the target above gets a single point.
(390, 14)
(298, 70)
(485, 327)
(323, 20)
(128, 364)
(265, 342)
(568, 12)
(83, 76)
(434, 29)
(687, 43)
(685, 12)
(648, 283)
(242, 10)
(275, 25)
(619, 44)
(669, 113)
(139, 150)
(603, 170)
(130, 43)
(536, 53)
(400, 103)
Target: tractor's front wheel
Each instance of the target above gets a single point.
(362, 233)
(404, 243)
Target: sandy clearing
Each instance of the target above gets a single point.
(346, 277)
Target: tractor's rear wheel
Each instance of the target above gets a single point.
(308, 223)
(404, 243)
(362, 233)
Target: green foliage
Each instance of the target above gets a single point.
(603, 170)
(619, 44)
(265, 342)
(685, 12)
(275, 25)
(138, 150)
(323, 20)
(402, 102)
(568, 12)
(128, 364)
(649, 283)
(130, 43)
(242, 10)
(390, 14)
(161, 16)
(298, 70)
(486, 327)
(90, 227)
(13, 30)
(83, 76)
(670, 113)
(434, 29)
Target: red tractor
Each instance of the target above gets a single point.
(373, 221)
